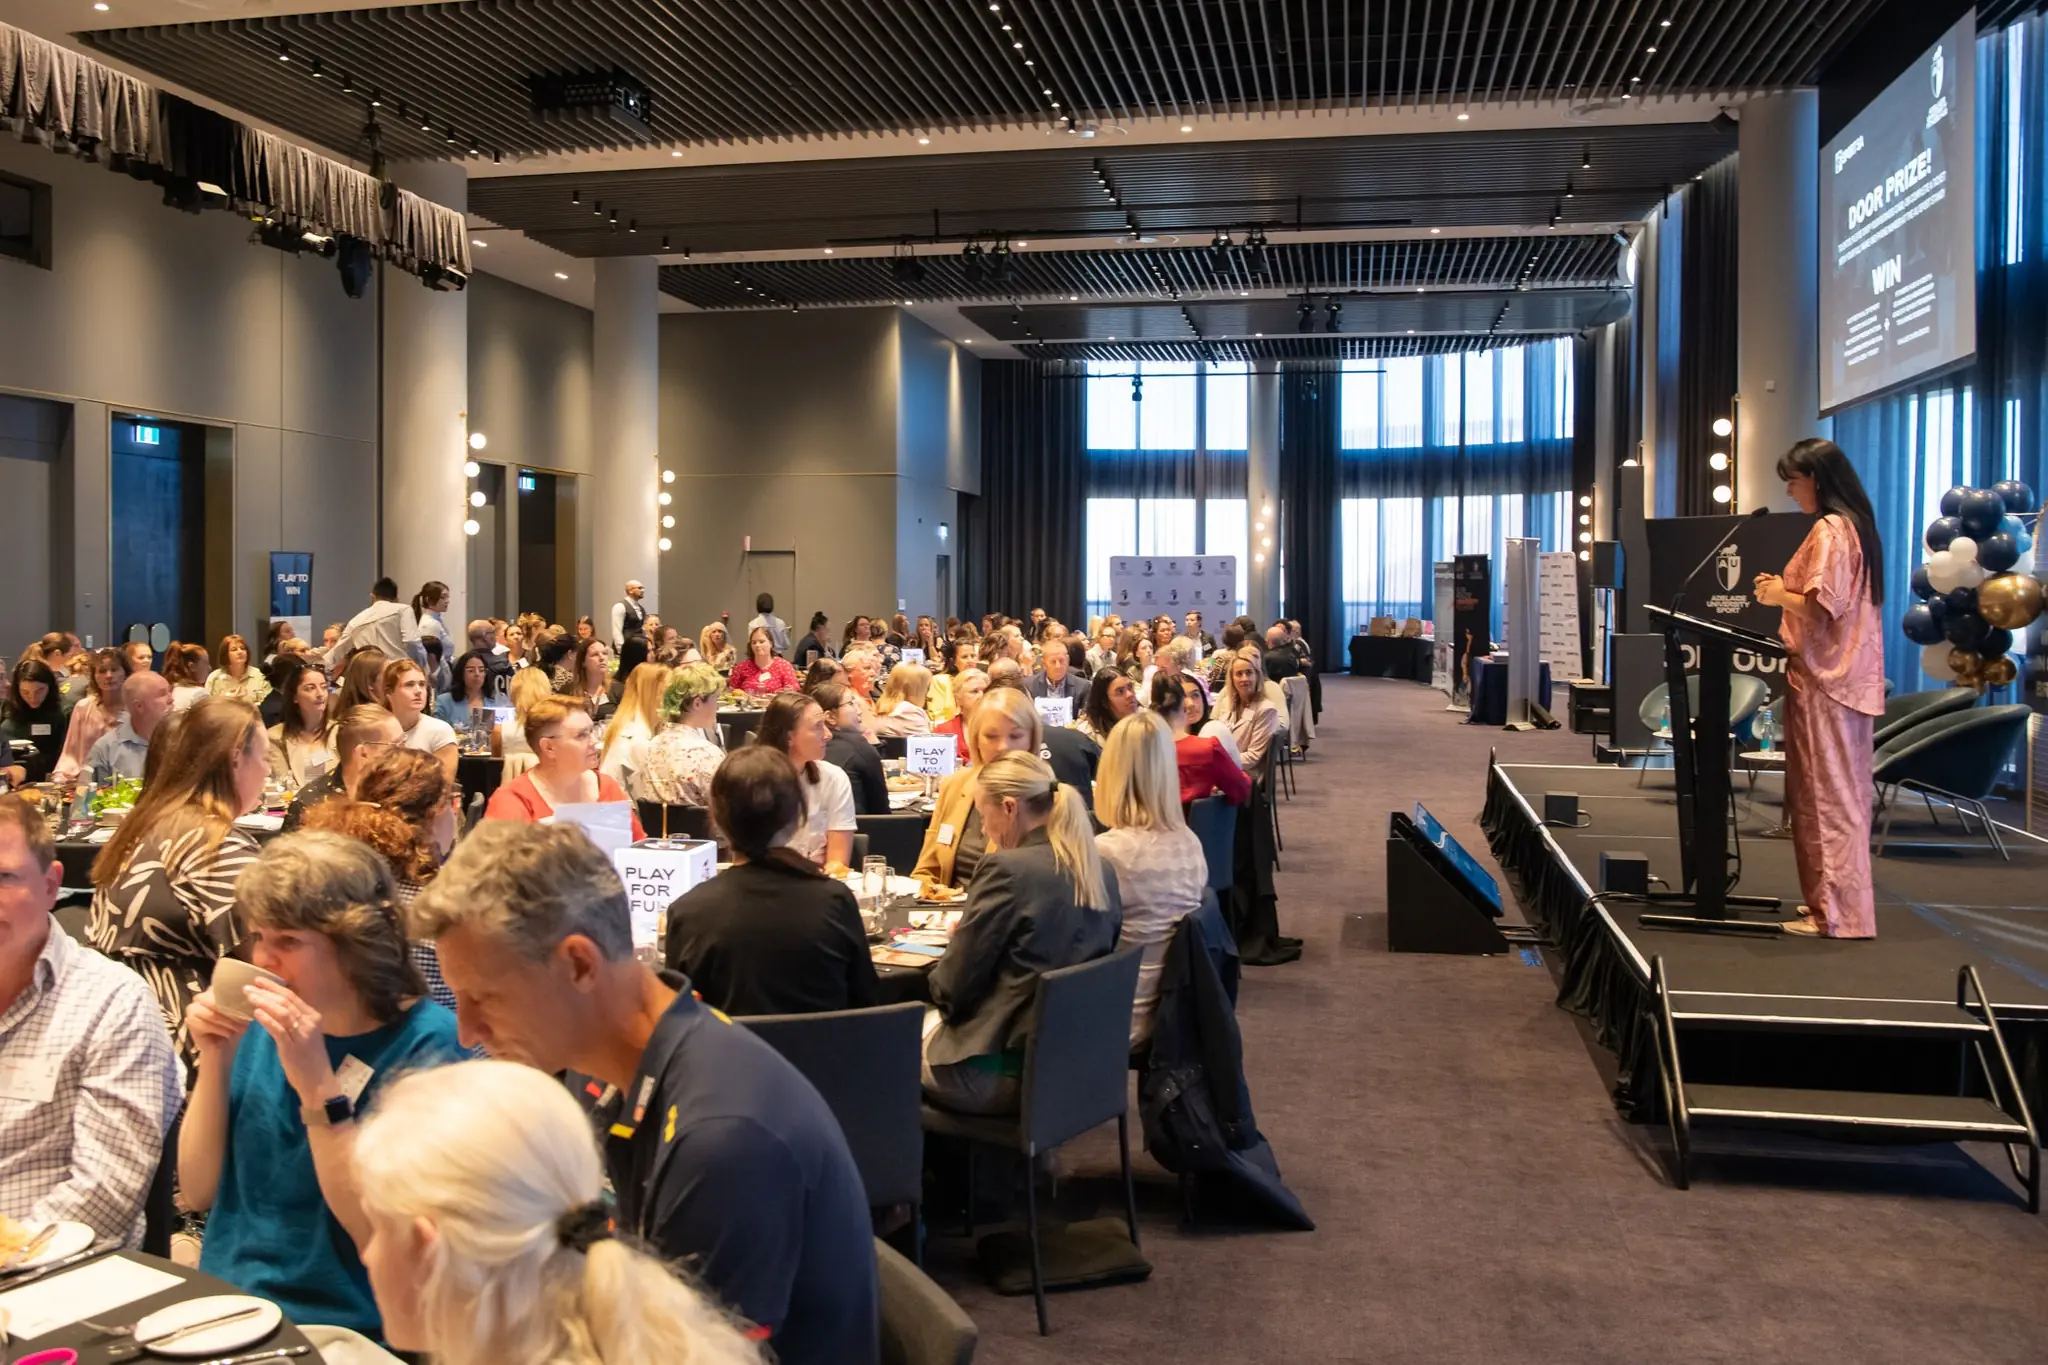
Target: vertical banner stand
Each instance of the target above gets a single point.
(1524, 615)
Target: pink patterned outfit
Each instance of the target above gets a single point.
(1835, 678)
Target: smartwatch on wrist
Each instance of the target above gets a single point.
(329, 1113)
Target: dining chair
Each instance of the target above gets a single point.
(921, 1325)
(1214, 821)
(899, 838)
(1076, 1065)
(674, 822)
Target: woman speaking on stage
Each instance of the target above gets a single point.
(1830, 594)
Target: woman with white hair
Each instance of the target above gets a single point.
(1158, 860)
(490, 1243)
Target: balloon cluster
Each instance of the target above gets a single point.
(1977, 586)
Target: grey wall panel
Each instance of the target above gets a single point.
(529, 375)
(329, 351)
(331, 509)
(31, 448)
(259, 523)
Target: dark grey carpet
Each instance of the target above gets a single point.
(1477, 1198)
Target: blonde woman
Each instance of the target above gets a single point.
(1253, 904)
(717, 650)
(527, 687)
(1042, 899)
(900, 712)
(682, 758)
(634, 725)
(1158, 860)
(1005, 721)
(1244, 708)
(490, 1243)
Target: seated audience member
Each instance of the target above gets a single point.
(816, 644)
(122, 751)
(968, 687)
(590, 680)
(1056, 679)
(528, 686)
(164, 900)
(407, 695)
(35, 716)
(634, 725)
(564, 743)
(766, 619)
(720, 1154)
(1004, 722)
(900, 712)
(362, 735)
(299, 750)
(718, 651)
(265, 1146)
(1252, 907)
(87, 1034)
(630, 656)
(824, 671)
(238, 677)
(1245, 709)
(1279, 659)
(94, 714)
(1102, 654)
(859, 630)
(1217, 671)
(682, 758)
(471, 694)
(139, 657)
(1160, 868)
(1133, 653)
(1042, 899)
(795, 724)
(947, 660)
(1072, 753)
(405, 810)
(362, 682)
(186, 669)
(772, 934)
(1112, 695)
(1205, 765)
(851, 751)
(1192, 627)
(1162, 632)
(491, 1242)
(761, 673)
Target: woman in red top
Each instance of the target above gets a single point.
(1206, 767)
(968, 685)
(761, 674)
(564, 742)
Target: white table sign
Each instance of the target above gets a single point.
(655, 873)
(930, 755)
(608, 823)
(1055, 712)
(913, 656)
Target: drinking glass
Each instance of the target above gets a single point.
(874, 876)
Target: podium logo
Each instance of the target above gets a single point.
(1936, 69)
(1728, 567)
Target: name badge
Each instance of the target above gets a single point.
(946, 835)
(39, 731)
(354, 1076)
(27, 1078)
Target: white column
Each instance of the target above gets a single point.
(1777, 302)
(425, 352)
(626, 411)
(1262, 487)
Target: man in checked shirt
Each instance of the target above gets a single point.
(88, 1082)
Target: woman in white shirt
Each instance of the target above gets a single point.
(681, 760)
(1158, 859)
(795, 724)
(186, 669)
(634, 725)
(406, 694)
(900, 712)
(298, 742)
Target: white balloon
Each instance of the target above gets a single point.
(1934, 663)
(1943, 571)
(1963, 548)
(1972, 575)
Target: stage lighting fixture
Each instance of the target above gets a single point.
(445, 279)
(971, 264)
(999, 262)
(906, 268)
(355, 261)
(1255, 247)
(1333, 312)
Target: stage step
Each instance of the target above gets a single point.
(1806, 1014)
(1933, 1118)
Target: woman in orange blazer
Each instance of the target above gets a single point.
(1005, 721)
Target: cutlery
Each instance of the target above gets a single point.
(25, 1275)
(25, 1254)
(203, 1326)
(281, 1353)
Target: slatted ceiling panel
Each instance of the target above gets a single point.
(1283, 348)
(1584, 260)
(754, 70)
(1509, 311)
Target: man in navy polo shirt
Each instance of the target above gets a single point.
(721, 1154)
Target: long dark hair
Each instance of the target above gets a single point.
(290, 723)
(1837, 489)
(1096, 708)
(784, 710)
(34, 670)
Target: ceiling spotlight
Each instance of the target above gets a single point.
(376, 100)
(1585, 554)
(1585, 519)
(426, 124)
(1186, 127)
(971, 267)
(1585, 537)
(1722, 426)
(668, 476)
(284, 52)
(478, 241)
(1722, 493)
(314, 70)
(560, 276)
(101, 6)
(1586, 159)
(471, 527)
(924, 142)
(664, 241)
(1463, 117)
(1663, 23)
(1434, 231)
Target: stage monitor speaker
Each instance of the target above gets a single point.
(1430, 907)
(1561, 808)
(1606, 564)
(1625, 873)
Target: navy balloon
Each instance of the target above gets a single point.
(1938, 605)
(1999, 553)
(1920, 626)
(1923, 587)
(1943, 530)
(1961, 602)
(1952, 501)
(1997, 643)
(1965, 632)
(1982, 511)
(2017, 497)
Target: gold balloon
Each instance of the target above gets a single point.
(1999, 672)
(1964, 663)
(2011, 600)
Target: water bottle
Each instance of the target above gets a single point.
(1767, 727)
(1664, 716)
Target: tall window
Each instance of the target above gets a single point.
(1166, 465)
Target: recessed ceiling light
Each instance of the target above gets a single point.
(1112, 338)
(1187, 127)
(1073, 298)
(1650, 49)
(1244, 293)
(478, 241)
(909, 302)
(1434, 231)
(101, 6)
(1463, 117)
(828, 251)
(675, 153)
(924, 142)
(966, 341)
(1664, 23)
(1411, 331)
(560, 276)
(1020, 245)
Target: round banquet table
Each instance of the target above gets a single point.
(738, 722)
(478, 775)
(96, 1349)
(76, 855)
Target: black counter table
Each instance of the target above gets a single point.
(1392, 656)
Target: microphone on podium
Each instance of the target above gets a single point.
(1708, 557)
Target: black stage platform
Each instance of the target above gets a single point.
(1937, 909)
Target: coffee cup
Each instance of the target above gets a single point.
(231, 978)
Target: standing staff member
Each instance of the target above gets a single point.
(629, 614)
(1830, 594)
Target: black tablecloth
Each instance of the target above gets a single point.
(738, 723)
(93, 1348)
(478, 775)
(898, 984)
(1391, 656)
(1490, 691)
(76, 855)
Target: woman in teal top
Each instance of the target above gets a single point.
(270, 1129)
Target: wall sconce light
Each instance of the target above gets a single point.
(471, 527)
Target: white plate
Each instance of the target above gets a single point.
(71, 1238)
(213, 1341)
